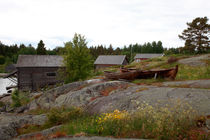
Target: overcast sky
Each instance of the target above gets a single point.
(116, 22)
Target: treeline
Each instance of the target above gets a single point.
(9, 53)
(130, 51)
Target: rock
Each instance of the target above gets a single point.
(10, 122)
(43, 133)
(82, 97)
(47, 99)
(6, 99)
(94, 138)
(189, 84)
(21, 109)
(131, 98)
(208, 124)
(3, 108)
(195, 61)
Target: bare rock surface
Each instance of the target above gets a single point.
(190, 84)
(131, 98)
(43, 133)
(10, 122)
(82, 97)
(47, 98)
(195, 61)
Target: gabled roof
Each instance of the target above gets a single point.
(39, 61)
(110, 59)
(148, 55)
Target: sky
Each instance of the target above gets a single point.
(116, 22)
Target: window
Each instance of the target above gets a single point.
(51, 74)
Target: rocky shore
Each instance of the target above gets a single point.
(98, 96)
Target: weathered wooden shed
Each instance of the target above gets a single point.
(37, 71)
(110, 60)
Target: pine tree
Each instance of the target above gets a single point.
(196, 36)
(41, 50)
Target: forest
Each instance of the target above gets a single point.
(9, 53)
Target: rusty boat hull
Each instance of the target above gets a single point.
(131, 74)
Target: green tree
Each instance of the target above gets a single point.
(41, 49)
(159, 48)
(196, 36)
(2, 59)
(110, 50)
(27, 50)
(78, 60)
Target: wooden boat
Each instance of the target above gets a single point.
(131, 74)
(160, 73)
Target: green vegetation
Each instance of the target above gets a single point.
(19, 98)
(196, 36)
(2, 68)
(41, 50)
(185, 72)
(78, 60)
(174, 121)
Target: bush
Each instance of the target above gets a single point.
(19, 98)
(16, 98)
(62, 115)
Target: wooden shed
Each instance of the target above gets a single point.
(110, 60)
(37, 71)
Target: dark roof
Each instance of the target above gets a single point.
(148, 55)
(39, 61)
(110, 59)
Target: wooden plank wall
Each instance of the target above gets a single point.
(35, 78)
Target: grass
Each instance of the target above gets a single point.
(55, 116)
(175, 121)
(185, 72)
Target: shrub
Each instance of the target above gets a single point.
(62, 115)
(16, 98)
(19, 98)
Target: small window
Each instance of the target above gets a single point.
(51, 74)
